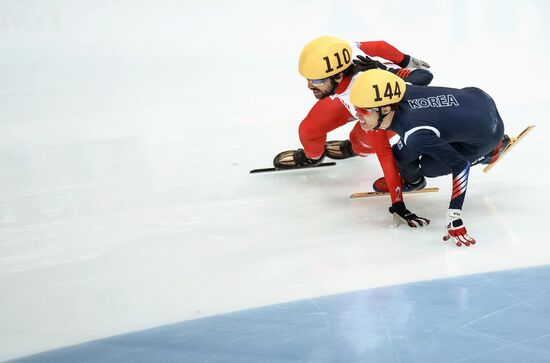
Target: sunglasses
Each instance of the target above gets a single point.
(366, 111)
(318, 82)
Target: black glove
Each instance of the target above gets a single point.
(363, 63)
(402, 215)
(293, 159)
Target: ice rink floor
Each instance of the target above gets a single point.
(132, 231)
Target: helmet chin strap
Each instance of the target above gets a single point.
(332, 91)
(380, 119)
(334, 85)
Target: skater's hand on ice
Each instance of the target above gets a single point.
(402, 215)
(456, 229)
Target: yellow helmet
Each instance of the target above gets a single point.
(324, 57)
(376, 88)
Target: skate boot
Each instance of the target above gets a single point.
(339, 149)
(380, 185)
(495, 154)
(295, 159)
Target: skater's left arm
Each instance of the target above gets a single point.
(428, 142)
(382, 49)
(417, 76)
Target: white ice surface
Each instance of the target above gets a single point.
(127, 130)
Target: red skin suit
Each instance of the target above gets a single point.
(335, 111)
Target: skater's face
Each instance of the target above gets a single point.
(324, 87)
(321, 87)
(368, 117)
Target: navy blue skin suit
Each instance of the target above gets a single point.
(444, 130)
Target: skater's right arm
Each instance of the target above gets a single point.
(326, 115)
(379, 141)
